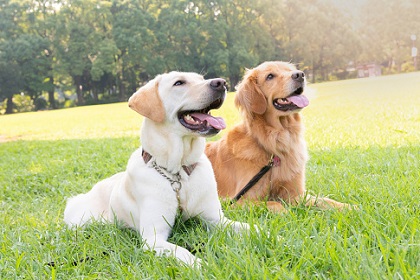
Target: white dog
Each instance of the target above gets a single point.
(170, 172)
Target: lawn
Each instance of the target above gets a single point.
(364, 142)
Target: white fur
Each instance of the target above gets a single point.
(142, 198)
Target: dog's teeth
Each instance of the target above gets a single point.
(190, 119)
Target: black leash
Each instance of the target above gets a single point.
(273, 161)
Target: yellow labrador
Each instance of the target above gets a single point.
(170, 171)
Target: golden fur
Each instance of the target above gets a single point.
(265, 131)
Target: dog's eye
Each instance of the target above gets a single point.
(179, 83)
(269, 77)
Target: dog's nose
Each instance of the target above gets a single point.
(298, 76)
(218, 84)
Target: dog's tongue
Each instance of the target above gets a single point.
(215, 122)
(299, 100)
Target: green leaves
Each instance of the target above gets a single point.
(94, 47)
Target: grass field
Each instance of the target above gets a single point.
(364, 142)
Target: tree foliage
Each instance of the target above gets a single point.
(104, 49)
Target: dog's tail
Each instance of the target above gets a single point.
(88, 207)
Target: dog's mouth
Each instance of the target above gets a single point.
(202, 121)
(295, 101)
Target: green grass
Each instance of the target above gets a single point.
(364, 142)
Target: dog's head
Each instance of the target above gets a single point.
(274, 88)
(183, 100)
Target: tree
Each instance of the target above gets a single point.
(332, 42)
(10, 70)
(316, 36)
(99, 46)
(215, 38)
(386, 31)
(135, 43)
(85, 50)
(180, 35)
(29, 52)
(41, 21)
(231, 44)
(10, 78)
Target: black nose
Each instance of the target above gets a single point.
(218, 84)
(298, 76)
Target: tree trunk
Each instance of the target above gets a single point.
(233, 82)
(53, 104)
(51, 99)
(9, 105)
(121, 86)
(79, 90)
(313, 72)
(79, 93)
(121, 92)
(95, 95)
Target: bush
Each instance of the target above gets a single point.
(407, 67)
(68, 103)
(40, 103)
(3, 107)
(22, 103)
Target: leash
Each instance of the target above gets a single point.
(274, 161)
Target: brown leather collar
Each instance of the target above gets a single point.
(188, 169)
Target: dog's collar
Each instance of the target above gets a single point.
(275, 161)
(188, 169)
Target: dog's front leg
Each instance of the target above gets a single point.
(218, 219)
(210, 210)
(323, 203)
(236, 226)
(164, 248)
(155, 225)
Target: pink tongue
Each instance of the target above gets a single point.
(215, 122)
(299, 100)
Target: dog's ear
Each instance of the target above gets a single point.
(146, 101)
(249, 96)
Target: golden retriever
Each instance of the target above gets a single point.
(169, 173)
(270, 98)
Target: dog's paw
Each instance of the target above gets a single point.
(345, 206)
(257, 230)
(189, 259)
(195, 263)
